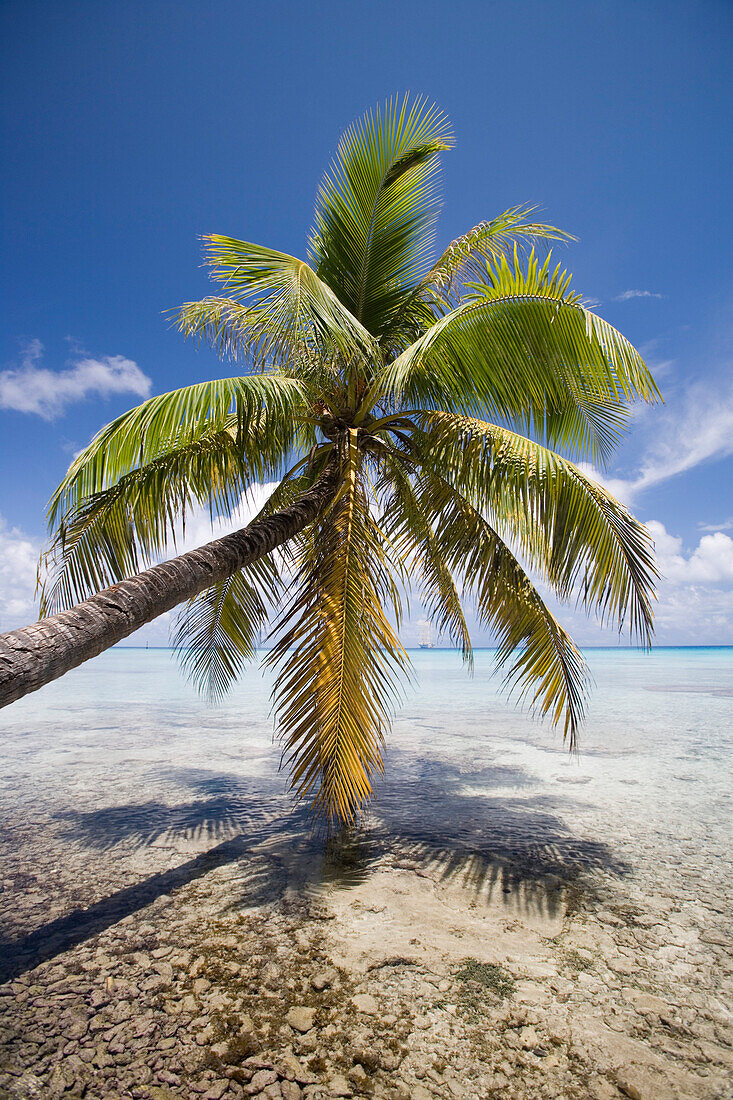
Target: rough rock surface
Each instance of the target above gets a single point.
(508, 924)
(362, 989)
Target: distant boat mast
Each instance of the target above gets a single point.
(426, 637)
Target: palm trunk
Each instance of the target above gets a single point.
(37, 654)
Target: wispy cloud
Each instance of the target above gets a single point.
(696, 431)
(702, 429)
(32, 388)
(626, 295)
(726, 525)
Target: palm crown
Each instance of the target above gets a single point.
(443, 399)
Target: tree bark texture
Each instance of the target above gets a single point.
(37, 654)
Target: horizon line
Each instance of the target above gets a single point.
(455, 649)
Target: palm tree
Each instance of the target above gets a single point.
(421, 418)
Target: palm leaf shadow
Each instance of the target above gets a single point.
(478, 830)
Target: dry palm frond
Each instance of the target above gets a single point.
(445, 411)
(339, 657)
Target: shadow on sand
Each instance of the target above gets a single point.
(484, 830)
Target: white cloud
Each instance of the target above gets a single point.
(199, 528)
(694, 614)
(710, 562)
(701, 428)
(626, 295)
(695, 604)
(726, 525)
(18, 560)
(31, 388)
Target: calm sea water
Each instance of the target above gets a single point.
(121, 755)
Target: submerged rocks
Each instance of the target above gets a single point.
(339, 1086)
(227, 988)
(260, 1081)
(301, 1018)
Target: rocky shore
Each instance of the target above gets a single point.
(510, 923)
(400, 982)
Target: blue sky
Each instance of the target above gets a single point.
(130, 129)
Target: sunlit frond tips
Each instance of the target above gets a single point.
(447, 401)
(377, 206)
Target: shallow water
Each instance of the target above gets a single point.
(121, 756)
(133, 817)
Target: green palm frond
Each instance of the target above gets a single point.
(263, 407)
(117, 530)
(570, 529)
(444, 285)
(546, 670)
(527, 353)
(466, 256)
(377, 207)
(92, 548)
(216, 633)
(498, 278)
(338, 658)
(408, 525)
(278, 310)
(224, 324)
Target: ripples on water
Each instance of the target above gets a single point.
(121, 758)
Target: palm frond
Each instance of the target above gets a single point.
(278, 311)
(525, 352)
(466, 256)
(569, 528)
(338, 658)
(546, 670)
(226, 325)
(116, 531)
(216, 633)
(263, 408)
(408, 525)
(377, 206)
(443, 286)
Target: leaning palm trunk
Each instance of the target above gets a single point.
(452, 395)
(37, 654)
